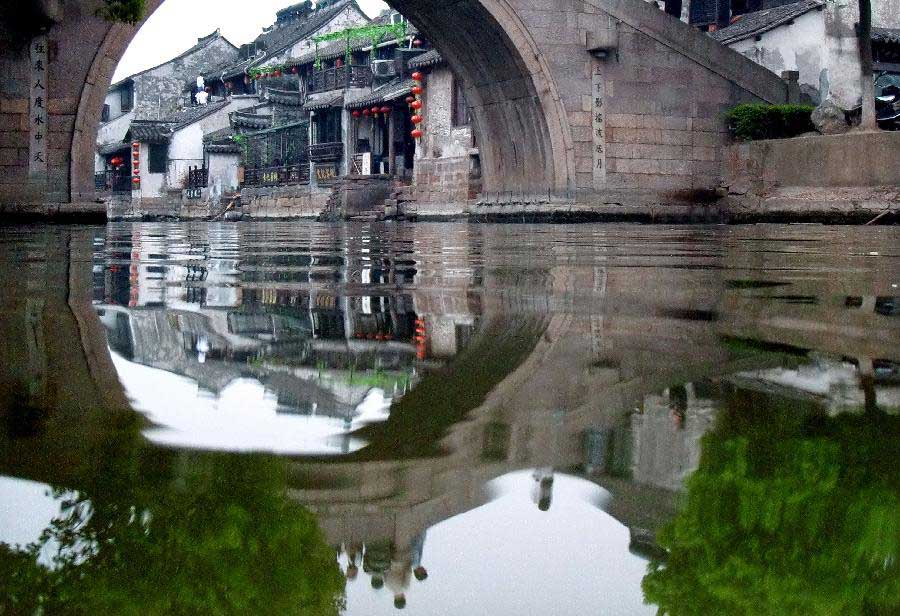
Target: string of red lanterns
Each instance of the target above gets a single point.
(415, 103)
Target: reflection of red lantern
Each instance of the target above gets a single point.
(356, 113)
(416, 104)
(417, 134)
(417, 90)
(416, 119)
(385, 110)
(366, 112)
(417, 76)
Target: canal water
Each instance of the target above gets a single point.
(449, 419)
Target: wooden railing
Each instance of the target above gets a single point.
(198, 177)
(277, 176)
(347, 76)
(326, 152)
(109, 181)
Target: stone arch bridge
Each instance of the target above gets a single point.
(591, 105)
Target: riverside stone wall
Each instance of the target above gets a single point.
(303, 201)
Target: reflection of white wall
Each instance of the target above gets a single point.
(242, 418)
(26, 509)
(664, 453)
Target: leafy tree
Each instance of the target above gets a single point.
(790, 512)
(164, 532)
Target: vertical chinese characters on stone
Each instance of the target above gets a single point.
(598, 113)
(38, 117)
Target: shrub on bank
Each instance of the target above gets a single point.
(753, 121)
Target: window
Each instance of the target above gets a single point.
(104, 116)
(127, 98)
(459, 108)
(159, 152)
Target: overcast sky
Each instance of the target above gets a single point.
(177, 25)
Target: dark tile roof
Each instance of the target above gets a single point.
(192, 114)
(280, 38)
(250, 120)
(288, 98)
(886, 35)
(758, 22)
(325, 100)
(150, 131)
(388, 92)
(112, 148)
(428, 59)
(219, 136)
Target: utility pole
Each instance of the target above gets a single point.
(864, 35)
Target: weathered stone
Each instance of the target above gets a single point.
(829, 119)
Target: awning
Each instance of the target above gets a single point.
(113, 148)
(150, 132)
(324, 100)
(385, 94)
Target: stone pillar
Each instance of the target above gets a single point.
(392, 149)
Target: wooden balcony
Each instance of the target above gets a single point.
(326, 152)
(347, 76)
(277, 176)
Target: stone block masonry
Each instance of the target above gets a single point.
(271, 202)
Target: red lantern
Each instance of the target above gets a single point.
(385, 110)
(417, 76)
(375, 109)
(356, 113)
(416, 105)
(295, 70)
(417, 43)
(135, 181)
(247, 80)
(417, 134)
(367, 113)
(417, 90)
(208, 89)
(417, 119)
(277, 73)
(410, 99)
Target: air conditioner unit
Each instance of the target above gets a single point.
(384, 68)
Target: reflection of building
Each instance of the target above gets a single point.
(319, 330)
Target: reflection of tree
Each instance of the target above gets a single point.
(790, 512)
(155, 532)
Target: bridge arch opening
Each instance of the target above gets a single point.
(517, 114)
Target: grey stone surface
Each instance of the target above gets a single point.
(829, 119)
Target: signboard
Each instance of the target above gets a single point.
(326, 173)
(598, 119)
(38, 118)
(193, 193)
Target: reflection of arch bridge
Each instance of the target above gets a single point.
(599, 101)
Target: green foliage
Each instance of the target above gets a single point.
(159, 532)
(124, 11)
(788, 513)
(754, 121)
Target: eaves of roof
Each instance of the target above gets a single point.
(759, 22)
